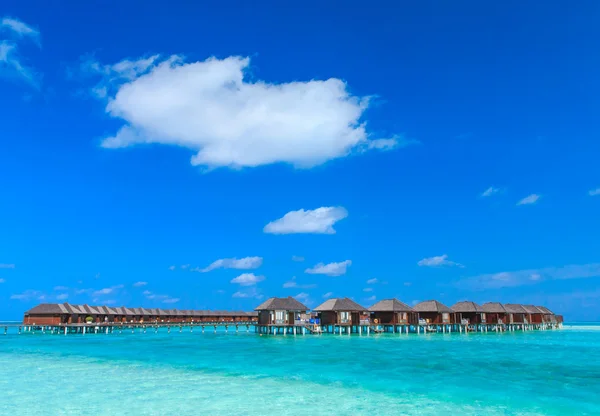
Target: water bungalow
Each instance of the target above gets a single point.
(534, 315)
(495, 313)
(469, 313)
(548, 316)
(281, 315)
(516, 313)
(393, 315)
(434, 312)
(342, 315)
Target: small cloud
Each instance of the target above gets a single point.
(172, 268)
(438, 261)
(146, 293)
(62, 296)
(19, 28)
(29, 295)
(109, 301)
(528, 200)
(245, 263)
(247, 279)
(171, 300)
(107, 290)
(316, 221)
(390, 144)
(220, 291)
(2, 280)
(140, 284)
(372, 281)
(185, 266)
(535, 276)
(371, 298)
(82, 291)
(302, 296)
(490, 191)
(594, 192)
(328, 294)
(251, 292)
(331, 269)
(407, 284)
(368, 289)
(292, 283)
(7, 266)
(60, 288)
(297, 258)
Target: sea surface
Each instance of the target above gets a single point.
(532, 373)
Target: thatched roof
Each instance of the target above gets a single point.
(514, 308)
(339, 305)
(493, 307)
(545, 310)
(281, 304)
(532, 309)
(48, 309)
(390, 305)
(467, 307)
(432, 306)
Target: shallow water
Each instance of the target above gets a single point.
(531, 373)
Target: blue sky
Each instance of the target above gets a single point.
(198, 156)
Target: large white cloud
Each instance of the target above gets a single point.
(212, 108)
(315, 221)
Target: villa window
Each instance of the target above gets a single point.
(445, 317)
(344, 317)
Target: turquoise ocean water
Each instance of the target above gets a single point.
(532, 373)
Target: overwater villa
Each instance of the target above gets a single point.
(281, 314)
(516, 313)
(548, 316)
(534, 315)
(393, 312)
(341, 311)
(495, 313)
(434, 312)
(469, 313)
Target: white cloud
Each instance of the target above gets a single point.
(82, 291)
(19, 28)
(107, 290)
(213, 108)
(7, 266)
(297, 258)
(292, 283)
(240, 264)
(185, 266)
(171, 300)
(62, 296)
(392, 143)
(247, 279)
(594, 192)
(331, 269)
(368, 289)
(528, 200)
(11, 64)
(371, 298)
(529, 276)
(438, 261)
(140, 284)
(29, 295)
(60, 288)
(372, 281)
(251, 292)
(490, 191)
(146, 293)
(172, 268)
(316, 221)
(328, 294)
